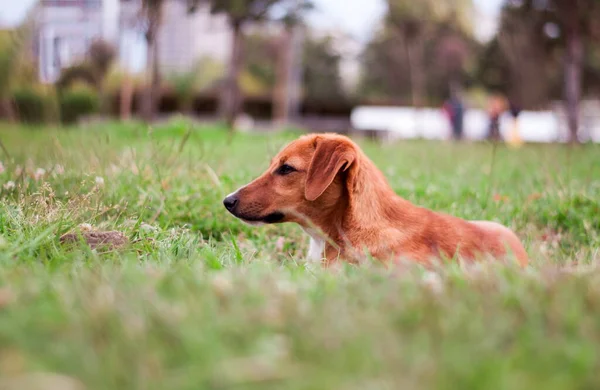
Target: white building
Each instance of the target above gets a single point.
(185, 38)
(67, 27)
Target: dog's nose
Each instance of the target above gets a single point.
(230, 202)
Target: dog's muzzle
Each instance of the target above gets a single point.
(231, 203)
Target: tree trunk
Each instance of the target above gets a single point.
(149, 97)
(296, 72)
(156, 93)
(187, 106)
(146, 97)
(414, 54)
(126, 98)
(528, 77)
(282, 88)
(7, 109)
(230, 94)
(102, 96)
(573, 73)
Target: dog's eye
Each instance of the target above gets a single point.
(285, 170)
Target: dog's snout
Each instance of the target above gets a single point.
(230, 202)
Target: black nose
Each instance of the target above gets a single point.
(230, 202)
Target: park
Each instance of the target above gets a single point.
(120, 268)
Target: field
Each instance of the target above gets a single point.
(201, 301)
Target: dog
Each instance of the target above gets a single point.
(327, 185)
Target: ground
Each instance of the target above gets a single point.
(201, 301)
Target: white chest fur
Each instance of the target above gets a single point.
(315, 250)
(315, 247)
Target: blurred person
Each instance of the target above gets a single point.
(454, 109)
(514, 138)
(496, 106)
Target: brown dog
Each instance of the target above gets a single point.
(325, 182)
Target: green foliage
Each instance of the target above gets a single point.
(78, 102)
(17, 68)
(30, 105)
(260, 59)
(208, 71)
(79, 73)
(388, 75)
(34, 105)
(321, 72)
(201, 300)
(452, 57)
(429, 13)
(527, 57)
(101, 57)
(240, 11)
(7, 60)
(201, 78)
(15, 61)
(493, 70)
(185, 88)
(422, 50)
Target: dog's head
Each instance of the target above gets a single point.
(306, 178)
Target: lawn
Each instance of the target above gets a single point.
(199, 300)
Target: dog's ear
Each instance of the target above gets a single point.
(331, 156)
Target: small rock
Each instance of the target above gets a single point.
(110, 239)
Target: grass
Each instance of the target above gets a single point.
(201, 301)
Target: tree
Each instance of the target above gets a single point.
(385, 74)
(321, 68)
(15, 63)
(81, 72)
(101, 56)
(151, 14)
(260, 53)
(523, 53)
(394, 61)
(578, 19)
(239, 14)
(186, 85)
(494, 70)
(412, 24)
(453, 54)
(546, 39)
(9, 47)
(289, 72)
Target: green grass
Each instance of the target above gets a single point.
(201, 301)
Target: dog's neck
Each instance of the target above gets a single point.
(372, 201)
(368, 202)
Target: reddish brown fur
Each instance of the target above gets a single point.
(337, 189)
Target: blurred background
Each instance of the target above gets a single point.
(512, 70)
